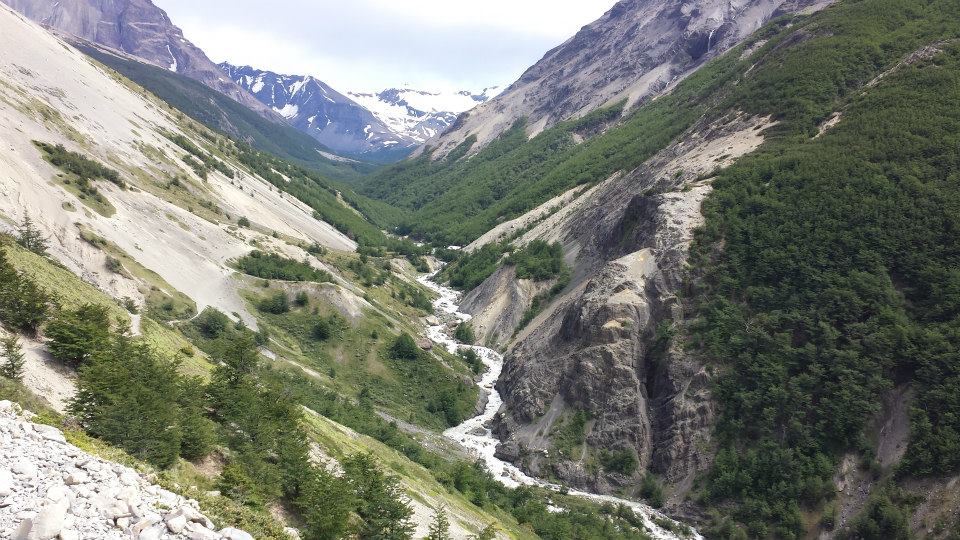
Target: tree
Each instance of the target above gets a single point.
(76, 335)
(29, 237)
(382, 507)
(128, 395)
(196, 431)
(240, 357)
(404, 348)
(440, 527)
(12, 352)
(24, 305)
(325, 502)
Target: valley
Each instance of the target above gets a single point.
(693, 275)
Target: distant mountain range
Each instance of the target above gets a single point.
(418, 114)
(379, 126)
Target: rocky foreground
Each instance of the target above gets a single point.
(51, 489)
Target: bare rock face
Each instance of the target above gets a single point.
(498, 305)
(610, 347)
(137, 28)
(635, 51)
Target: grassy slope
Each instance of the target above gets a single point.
(340, 442)
(71, 292)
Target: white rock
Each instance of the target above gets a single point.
(153, 533)
(6, 482)
(23, 530)
(25, 468)
(235, 534)
(69, 535)
(195, 531)
(49, 522)
(50, 433)
(176, 524)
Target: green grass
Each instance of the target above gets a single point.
(72, 292)
(340, 442)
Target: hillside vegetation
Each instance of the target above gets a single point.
(837, 276)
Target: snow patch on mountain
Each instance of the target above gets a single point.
(419, 114)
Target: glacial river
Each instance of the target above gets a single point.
(475, 434)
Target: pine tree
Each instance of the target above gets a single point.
(440, 528)
(30, 237)
(12, 352)
(127, 395)
(325, 502)
(76, 335)
(382, 506)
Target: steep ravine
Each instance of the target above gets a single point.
(476, 434)
(605, 348)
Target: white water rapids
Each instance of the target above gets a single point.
(475, 434)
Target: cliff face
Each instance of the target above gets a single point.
(140, 29)
(635, 51)
(607, 347)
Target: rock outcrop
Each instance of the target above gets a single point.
(637, 50)
(607, 346)
(52, 489)
(498, 305)
(140, 29)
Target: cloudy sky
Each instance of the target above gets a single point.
(375, 44)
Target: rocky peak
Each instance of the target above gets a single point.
(637, 50)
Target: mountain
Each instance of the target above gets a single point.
(328, 116)
(384, 126)
(221, 113)
(138, 28)
(637, 50)
(731, 297)
(232, 325)
(418, 114)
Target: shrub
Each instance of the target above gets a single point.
(277, 304)
(538, 261)
(212, 323)
(621, 461)
(301, 299)
(472, 359)
(272, 266)
(404, 348)
(465, 333)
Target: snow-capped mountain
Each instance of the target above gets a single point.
(330, 117)
(418, 114)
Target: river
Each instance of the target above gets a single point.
(475, 434)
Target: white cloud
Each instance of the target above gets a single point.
(373, 44)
